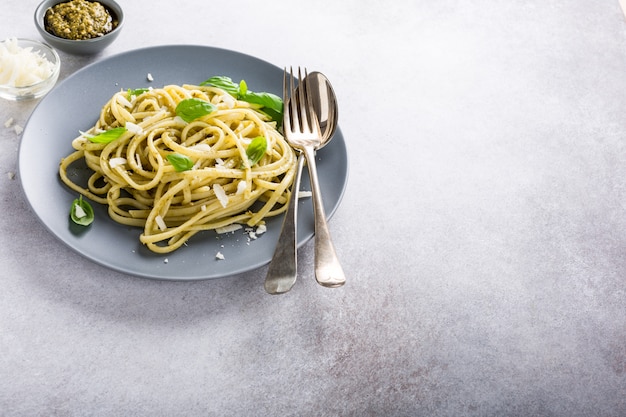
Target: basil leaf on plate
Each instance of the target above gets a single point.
(108, 136)
(256, 150)
(137, 91)
(243, 88)
(191, 109)
(269, 103)
(225, 83)
(180, 162)
(81, 212)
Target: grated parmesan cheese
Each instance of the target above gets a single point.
(219, 256)
(8, 123)
(134, 128)
(221, 195)
(228, 229)
(121, 99)
(160, 222)
(18, 129)
(219, 164)
(116, 162)
(241, 187)
(22, 67)
(203, 147)
(229, 101)
(79, 212)
(149, 77)
(254, 234)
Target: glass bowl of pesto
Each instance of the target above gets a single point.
(80, 27)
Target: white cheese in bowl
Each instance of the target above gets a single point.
(22, 67)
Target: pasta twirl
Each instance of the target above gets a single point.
(132, 174)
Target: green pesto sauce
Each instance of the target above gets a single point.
(79, 19)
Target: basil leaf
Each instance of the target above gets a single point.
(191, 109)
(108, 136)
(81, 212)
(180, 162)
(268, 100)
(225, 83)
(243, 88)
(269, 103)
(256, 150)
(137, 91)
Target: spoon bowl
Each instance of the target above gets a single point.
(324, 104)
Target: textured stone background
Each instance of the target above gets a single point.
(483, 230)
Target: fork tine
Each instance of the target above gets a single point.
(304, 122)
(293, 100)
(299, 111)
(286, 103)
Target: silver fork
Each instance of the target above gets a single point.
(302, 131)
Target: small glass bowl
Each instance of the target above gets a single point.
(40, 88)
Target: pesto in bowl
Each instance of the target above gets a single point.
(79, 19)
(80, 27)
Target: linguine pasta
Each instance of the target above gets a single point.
(134, 177)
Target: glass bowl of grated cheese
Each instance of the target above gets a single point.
(28, 69)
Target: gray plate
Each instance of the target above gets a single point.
(75, 104)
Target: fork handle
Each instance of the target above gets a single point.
(283, 268)
(328, 271)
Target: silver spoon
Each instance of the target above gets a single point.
(282, 271)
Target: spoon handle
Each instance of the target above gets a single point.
(283, 268)
(328, 271)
